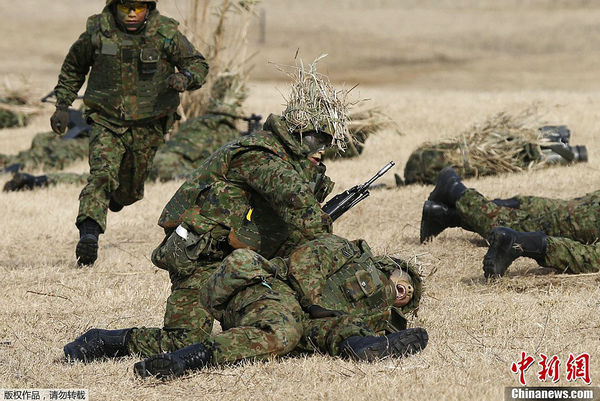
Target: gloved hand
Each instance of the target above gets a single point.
(178, 81)
(59, 120)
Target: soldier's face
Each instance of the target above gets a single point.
(317, 142)
(132, 14)
(403, 286)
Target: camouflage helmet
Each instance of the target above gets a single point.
(227, 94)
(110, 2)
(314, 105)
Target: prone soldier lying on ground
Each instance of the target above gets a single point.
(256, 302)
(502, 144)
(561, 234)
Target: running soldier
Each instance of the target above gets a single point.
(131, 98)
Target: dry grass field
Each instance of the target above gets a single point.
(437, 66)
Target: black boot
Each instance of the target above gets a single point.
(86, 251)
(370, 348)
(448, 188)
(114, 206)
(506, 245)
(98, 343)
(24, 181)
(512, 203)
(174, 364)
(436, 217)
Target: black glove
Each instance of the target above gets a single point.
(178, 81)
(59, 120)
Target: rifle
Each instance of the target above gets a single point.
(76, 123)
(254, 124)
(344, 201)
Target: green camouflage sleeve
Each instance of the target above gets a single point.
(185, 56)
(285, 190)
(74, 70)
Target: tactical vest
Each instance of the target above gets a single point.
(357, 286)
(209, 201)
(128, 80)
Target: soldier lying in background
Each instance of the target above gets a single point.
(195, 140)
(256, 301)
(502, 144)
(561, 234)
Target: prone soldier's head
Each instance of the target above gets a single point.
(131, 14)
(227, 94)
(316, 114)
(406, 280)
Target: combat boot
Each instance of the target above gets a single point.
(86, 251)
(98, 343)
(448, 188)
(436, 217)
(25, 181)
(506, 245)
(174, 364)
(512, 203)
(114, 206)
(371, 348)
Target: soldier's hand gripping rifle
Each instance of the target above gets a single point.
(342, 202)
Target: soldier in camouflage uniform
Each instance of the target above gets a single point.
(262, 192)
(261, 316)
(477, 154)
(132, 95)
(49, 152)
(561, 234)
(193, 142)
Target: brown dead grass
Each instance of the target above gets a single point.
(476, 329)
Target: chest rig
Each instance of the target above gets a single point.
(357, 287)
(129, 72)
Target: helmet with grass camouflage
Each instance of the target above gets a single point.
(314, 105)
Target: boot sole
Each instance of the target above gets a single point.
(499, 255)
(429, 228)
(400, 344)
(160, 366)
(86, 251)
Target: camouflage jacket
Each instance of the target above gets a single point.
(356, 282)
(198, 137)
(261, 186)
(127, 82)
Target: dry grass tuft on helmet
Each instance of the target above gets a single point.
(503, 143)
(314, 104)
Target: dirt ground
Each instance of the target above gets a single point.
(437, 67)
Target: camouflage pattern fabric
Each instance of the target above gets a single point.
(195, 140)
(119, 166)
(49, 152)
(259, 186)
(9, 119)
(128, 74)
(67, 178)
(186, 321)
(570, 225)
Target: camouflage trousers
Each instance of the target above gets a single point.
(119, 165)
(262, 320)
(49, 151)
(573, 226)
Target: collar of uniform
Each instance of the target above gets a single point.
(277, 125)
